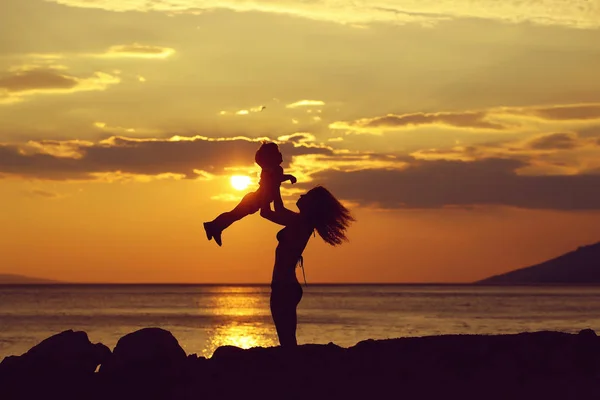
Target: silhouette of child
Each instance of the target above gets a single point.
(269, 158)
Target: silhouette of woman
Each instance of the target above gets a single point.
(320, 211)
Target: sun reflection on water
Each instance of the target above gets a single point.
(247, 321)
(240, 335)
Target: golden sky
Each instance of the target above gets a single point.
(465, 136)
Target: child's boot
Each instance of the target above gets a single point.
(213, 232)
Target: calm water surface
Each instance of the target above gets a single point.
(204, 317)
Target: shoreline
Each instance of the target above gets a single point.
(149, 363)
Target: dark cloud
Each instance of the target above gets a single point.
(18, 84)
(440, 183)
(299, 137)
(555, 141)
(590, 132)
(37, 79)
(522, 150)
(568, 112)
(134, 156)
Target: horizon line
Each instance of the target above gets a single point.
(476, 283)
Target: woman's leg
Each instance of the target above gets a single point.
(284, 301)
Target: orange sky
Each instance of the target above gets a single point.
(465, 138)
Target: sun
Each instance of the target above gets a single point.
(240, 182)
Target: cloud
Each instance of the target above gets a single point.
(561, 153)
(115, 130)
(442, 183)
(30, 80)
(555, 141)
(496, 174)
(244, 111)
(468, 119)
(45, 56)
(137, 50)
(188, 157)
(134, 50)
(105, 127)
(23, 82)
(508, 119)
(572, 112)
(42, 193)
(306, 103)
(299, 137)
(575, 13)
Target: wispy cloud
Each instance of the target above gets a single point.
(306, 103)
(42, 193)
(468, 119)
(122, 130)
(243, 111)
(509, 119)
(568, 112)
(562, 153)
(20, 83)
(575, 13)
(133, 50)
(137, 50)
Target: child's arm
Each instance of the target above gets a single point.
(288, 177)
(281, 177)
(278, 201)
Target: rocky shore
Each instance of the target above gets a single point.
(150, 364)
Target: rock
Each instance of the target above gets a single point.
(61, 366)
(146, 353)
(150, 364)
(66, 353)
(586, 352)
(587, 333)
(227, 351)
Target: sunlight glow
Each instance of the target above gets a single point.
(240, 182)
(246, 322)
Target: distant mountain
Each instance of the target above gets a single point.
(577, 267)
(11, 279)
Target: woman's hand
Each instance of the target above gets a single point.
(281, 215)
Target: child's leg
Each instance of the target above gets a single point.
(227, 218)
(248, 205)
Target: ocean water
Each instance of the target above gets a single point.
(204, 317)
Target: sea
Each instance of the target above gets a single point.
(204, 317)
